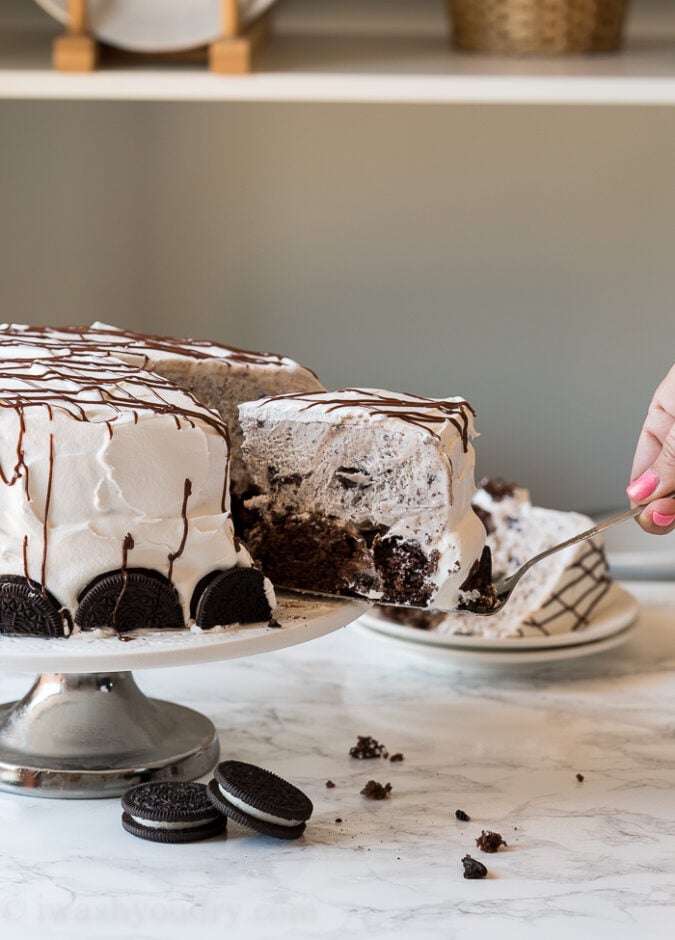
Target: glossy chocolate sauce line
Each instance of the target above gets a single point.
(419, 415)
(127, 545)
(45, 521)
(187, 490)
(26, 572)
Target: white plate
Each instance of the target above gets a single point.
(301, 619)
(500, 658)
(618, 612)
(155, 25)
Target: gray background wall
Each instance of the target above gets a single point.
(520, 256)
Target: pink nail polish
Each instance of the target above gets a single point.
(643, 487)
(663, 519)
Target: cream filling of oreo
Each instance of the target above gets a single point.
(156, 824)
(258, 813)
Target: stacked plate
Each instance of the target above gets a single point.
(610, 627)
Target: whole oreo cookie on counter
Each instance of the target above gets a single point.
(171, 811)
(259, 799)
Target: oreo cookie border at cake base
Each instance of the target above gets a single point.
(187, 802)
(261, 790)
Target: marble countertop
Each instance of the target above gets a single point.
(504, 744)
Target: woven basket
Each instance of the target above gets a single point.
(544, 27)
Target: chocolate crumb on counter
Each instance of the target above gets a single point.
(462, 816)
(339, 819)
(329, 784)
(396, 758)
(580, 778)
(473, 868)
(367, 748)
(489, 841)
(376, 791)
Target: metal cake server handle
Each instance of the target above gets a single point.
(500, 591)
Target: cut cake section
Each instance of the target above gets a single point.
(558, 595)
(363, 492)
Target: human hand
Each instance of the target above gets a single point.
(653, 473)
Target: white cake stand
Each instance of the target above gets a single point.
(86, 730)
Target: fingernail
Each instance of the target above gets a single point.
(663, 519)
(643, 487)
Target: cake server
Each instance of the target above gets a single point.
(485, 604)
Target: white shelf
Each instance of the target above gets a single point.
(376, 56)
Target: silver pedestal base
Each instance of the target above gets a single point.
(85, 736)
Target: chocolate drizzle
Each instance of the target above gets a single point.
(413, 409)
(109, 342)
(127, 546)
(187, 490)
(77, 385)
(48, 499)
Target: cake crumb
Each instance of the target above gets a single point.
(489, 841)
(376, 791)
(462, 816)
(580, 778)
(338, 819)
(274, 624)
(366, 748)
(473, 868)
(329, 784)
(396, 758)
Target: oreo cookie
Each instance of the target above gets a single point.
(27, 609)
(233, 596)
(171, 811)
(259, 799)
(130, 600)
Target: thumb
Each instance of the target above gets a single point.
(656, 488)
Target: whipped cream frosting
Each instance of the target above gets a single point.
(374, 458)
(103, 465)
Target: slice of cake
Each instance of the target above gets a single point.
(218, 376)
(114, 505)
(558, 595)
(363, 492)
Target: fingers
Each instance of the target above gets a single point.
(655, 485)
(653, 473)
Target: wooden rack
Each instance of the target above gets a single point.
(231, 54)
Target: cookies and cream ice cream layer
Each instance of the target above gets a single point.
(375, 461)
(104, 466)
(218, 376)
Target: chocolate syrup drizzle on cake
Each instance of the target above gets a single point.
(80, 386)
(101, 341)
(421, 412)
